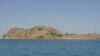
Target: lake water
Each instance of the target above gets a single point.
(49, 47)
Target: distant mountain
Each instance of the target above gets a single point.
(45, 32)
(35, 32)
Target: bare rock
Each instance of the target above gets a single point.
(35, 32)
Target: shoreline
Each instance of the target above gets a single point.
(62, 38)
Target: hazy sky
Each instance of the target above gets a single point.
(78, 16)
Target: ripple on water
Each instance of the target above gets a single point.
(50, 48)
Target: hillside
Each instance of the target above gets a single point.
(35, 32)
(45, 32)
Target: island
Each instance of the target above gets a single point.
(45, 32)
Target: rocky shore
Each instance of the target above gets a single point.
(45, 32)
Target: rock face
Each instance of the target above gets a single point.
(35, 32)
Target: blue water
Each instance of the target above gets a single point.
(49, 47)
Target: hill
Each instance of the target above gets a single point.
(35, 32)
(45, 32)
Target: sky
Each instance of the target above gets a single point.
(72, 16)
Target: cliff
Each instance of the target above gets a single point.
(35, 32)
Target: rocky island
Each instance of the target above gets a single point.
(45, 32)
(35, 32)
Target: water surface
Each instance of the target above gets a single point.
(47, 47)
